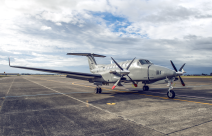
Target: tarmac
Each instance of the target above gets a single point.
(56, 105)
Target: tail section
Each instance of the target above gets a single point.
(91, 61)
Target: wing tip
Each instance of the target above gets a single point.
(9, 60)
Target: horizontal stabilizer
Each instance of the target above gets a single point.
(86, 54)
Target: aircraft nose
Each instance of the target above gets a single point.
(170, 73)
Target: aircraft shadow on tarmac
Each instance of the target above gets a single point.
(128, 95)
(184, 93)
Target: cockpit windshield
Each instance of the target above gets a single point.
(145, 62)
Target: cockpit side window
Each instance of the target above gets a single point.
(145, 62)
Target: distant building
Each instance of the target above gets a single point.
(9, 73)
(196, 75)
(25, 74)
(204, 74)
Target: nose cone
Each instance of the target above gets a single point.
(158, 72)
(169, 73)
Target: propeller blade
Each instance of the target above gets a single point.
(132, 81)
(117, 64)
(182, 67)
(173, 66)
(116, 83)
(130, 64)
(181, 81)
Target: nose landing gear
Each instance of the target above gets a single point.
(170, 93)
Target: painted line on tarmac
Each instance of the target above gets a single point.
(7, 93)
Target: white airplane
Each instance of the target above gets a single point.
(136, 70)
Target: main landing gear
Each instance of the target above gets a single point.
(145, 88)
(98, 90)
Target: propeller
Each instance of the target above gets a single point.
(179, 72)
(123, 72)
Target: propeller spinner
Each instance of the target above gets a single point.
(123, 72)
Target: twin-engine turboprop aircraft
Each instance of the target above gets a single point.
(136, 70)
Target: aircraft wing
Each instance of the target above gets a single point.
(70, 74)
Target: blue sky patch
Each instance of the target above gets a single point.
(115, 22)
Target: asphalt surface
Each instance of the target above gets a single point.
(55, 105)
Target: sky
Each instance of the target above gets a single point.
(39, 33)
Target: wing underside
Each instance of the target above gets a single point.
(70, 74)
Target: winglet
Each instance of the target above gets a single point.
(9, 61)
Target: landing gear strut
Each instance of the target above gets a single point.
(98, 90)
(170, 93)
(145, 88)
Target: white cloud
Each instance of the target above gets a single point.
(45, 28)
(59, 24)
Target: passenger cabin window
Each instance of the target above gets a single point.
(158, 72)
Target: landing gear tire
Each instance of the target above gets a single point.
(100, 90)
(171, 94)
(97, 90)
(145, 88)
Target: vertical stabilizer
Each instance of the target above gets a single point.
(91, 60)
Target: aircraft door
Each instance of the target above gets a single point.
(151, 72)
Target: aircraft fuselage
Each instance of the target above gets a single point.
(148, 73)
